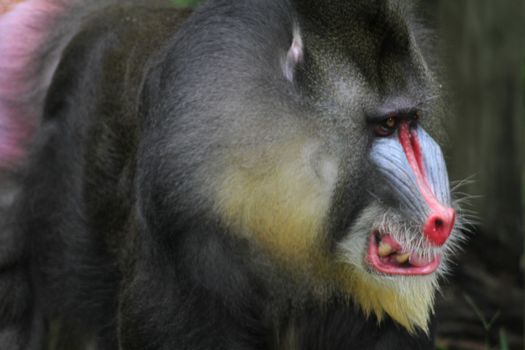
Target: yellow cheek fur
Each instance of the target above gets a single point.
(280, 202)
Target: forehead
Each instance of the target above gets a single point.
(373, 39)
(375, 18)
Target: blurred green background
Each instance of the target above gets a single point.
(481, 44)
(185, 3)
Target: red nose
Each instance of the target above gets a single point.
(439, 224)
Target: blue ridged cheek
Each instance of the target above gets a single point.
(388, 157)
(435, 167)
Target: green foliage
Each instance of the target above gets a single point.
(487, 323)
(503, 342)
(185, 3)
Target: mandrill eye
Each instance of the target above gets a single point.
(386, 127)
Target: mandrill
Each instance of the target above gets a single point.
(252, 174)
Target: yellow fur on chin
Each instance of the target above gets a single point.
(407, 300)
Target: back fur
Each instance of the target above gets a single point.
(33, 35)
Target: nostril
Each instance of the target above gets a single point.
(438, 226)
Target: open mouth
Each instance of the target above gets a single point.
(386, 255)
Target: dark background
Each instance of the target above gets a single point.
(481, 44)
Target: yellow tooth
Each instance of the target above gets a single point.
(402, 258)
(384, 249)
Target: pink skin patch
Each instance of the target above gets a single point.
(6, 5)
(22, 30)
(415, 266)
(440, 221)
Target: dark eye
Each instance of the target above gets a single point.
(386, 127)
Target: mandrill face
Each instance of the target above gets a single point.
(402, 239)
(349, 187)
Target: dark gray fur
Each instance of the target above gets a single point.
(114, 238)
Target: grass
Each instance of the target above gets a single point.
(185, 3)
(487, 325)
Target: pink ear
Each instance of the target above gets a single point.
(23, 29)
(295, 55)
